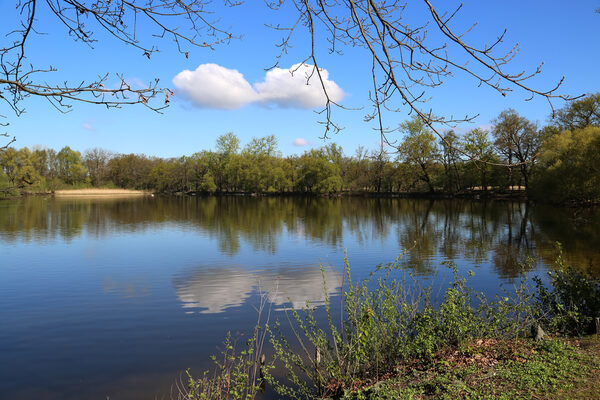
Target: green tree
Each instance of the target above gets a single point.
(451, 159)
(199, 165)
(71, 169)
(580, 113)
(40, 159)
(569, 167)
(317, 173)
(208, 184)
(26, 173)
(477, 143)
(131, 171)
(262, 147)
(228, 145)
(419, 148)
(18, 167)
(164, 177)
(10, 165)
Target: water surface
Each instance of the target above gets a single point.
(116, 297)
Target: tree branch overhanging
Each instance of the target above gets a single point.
(410, 59)
(187, 23)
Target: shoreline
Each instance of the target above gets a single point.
(517, 195)
(103, 193)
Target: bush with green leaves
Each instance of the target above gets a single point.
(385, 322)
(571, 302)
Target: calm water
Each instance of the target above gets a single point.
(117, 297)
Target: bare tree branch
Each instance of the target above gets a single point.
(188, 23)
(410, 58)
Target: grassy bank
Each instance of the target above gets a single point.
(555, 368)
(389, 339)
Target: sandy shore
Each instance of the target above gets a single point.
(100, 193)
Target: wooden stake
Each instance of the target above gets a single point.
(317, 370)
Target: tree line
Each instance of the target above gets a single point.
(558, 162)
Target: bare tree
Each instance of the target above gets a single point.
(185, 22)
(96, 161)
(516, 138)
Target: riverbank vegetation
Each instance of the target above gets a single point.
(390, 338)
(559, 162)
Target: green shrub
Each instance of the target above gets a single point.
(385, 322)
(571, 302)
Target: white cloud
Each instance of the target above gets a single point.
(214, 86)
(88, 127)
(300, 142)
(297, 87)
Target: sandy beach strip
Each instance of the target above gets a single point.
(100, 193)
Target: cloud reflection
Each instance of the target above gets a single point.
(214, 290)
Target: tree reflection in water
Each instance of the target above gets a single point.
(502, 233)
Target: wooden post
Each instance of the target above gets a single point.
(598, 326)
(318, 370)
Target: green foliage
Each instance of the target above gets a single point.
(477, 143)
(571, 302)
(71, 169)
(236, 375)
(131, 171)
(552, 364)
(385, 324)
(562, 166)
(18, 168)
(580, 113)
(208, 184)
(569, 166)
(519, 371)
(228, 144)
(317, 173)
(419, 148)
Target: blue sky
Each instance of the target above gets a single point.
(562, 35)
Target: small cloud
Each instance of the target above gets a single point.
(88, 127)
(300, 142)
(214, 86)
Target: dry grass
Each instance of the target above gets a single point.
(100, 193)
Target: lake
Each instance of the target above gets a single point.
(117, 297)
